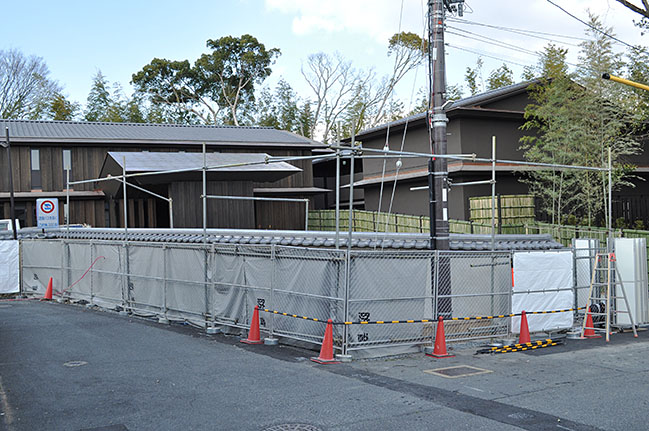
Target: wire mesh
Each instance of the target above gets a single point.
(473, 284)
(219, 284)
(310, 283)
(389, 286)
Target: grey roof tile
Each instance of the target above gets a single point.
(85, 131)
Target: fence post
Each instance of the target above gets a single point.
(92, 257)
(165, 261)
(273, 262)
(206, 252)
(574, 277)
(62, 261)
(435, 284)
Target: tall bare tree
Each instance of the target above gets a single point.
(25, 88)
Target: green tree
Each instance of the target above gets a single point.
(501, 77)
(26, 91)
(574, 120)
(230, 72)
(473, 77)
(218, 87)
(62, 108)
(642, 10)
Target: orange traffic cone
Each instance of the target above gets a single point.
(253, 334)
(589, 329)
(327, 349)
(440, 342)
(524, 335)
(48, 291)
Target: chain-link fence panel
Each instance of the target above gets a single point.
(108, 274)
(473, 284)
(240, 278)
(42, 259)
(146, 278)
(387, 286)
(187, 284)
(79, 259)
(585, 252)
(310, 283)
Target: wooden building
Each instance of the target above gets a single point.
(43, 150)
(472, 123)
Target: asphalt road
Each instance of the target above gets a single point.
(64, 367)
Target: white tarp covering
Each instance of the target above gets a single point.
(631, 256)
(547, 272)
(9, 269)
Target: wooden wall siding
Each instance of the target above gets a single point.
(280, 215)
(87, 162)
(188, 206)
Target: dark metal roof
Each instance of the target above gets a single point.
(145, 161)
(360, 240)
(97, 132)
(467, 102)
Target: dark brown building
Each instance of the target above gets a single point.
(43, 150)
(472, 123)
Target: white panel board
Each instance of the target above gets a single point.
(631, 257)
(546, 272)
(9, 268)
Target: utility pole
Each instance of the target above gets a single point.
(438, 119)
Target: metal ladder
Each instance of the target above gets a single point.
(606, 291)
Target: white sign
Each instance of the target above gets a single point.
(47, 212)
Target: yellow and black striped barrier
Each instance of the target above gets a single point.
(380, 322)
(297, 316)
(548, 342)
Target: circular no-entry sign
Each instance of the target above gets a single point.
(47, 207)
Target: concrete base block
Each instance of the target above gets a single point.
(271, 341)
(163, 320)
(123, 313)
(343, 358)
(211, 330)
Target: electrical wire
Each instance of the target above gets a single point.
(483, 54)
(495, 42)
(523, 32)
(590, 25)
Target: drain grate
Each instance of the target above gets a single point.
(292, 427)
(458, 371)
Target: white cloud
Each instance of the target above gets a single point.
(377, 19)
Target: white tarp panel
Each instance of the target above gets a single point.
(631, 256)
(543, 271)
(9, 269)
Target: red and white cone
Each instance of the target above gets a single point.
(48, 291)
(253, 333)
(524, 334)
(589, 329)
(440, 342)
(327, 349)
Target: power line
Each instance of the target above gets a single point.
(483, 54)
(590, 25)
(524, 32)
(478, 37)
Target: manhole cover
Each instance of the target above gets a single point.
(292, 427)
(457, 371)
(75, 363)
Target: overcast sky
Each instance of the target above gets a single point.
(78, 38)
